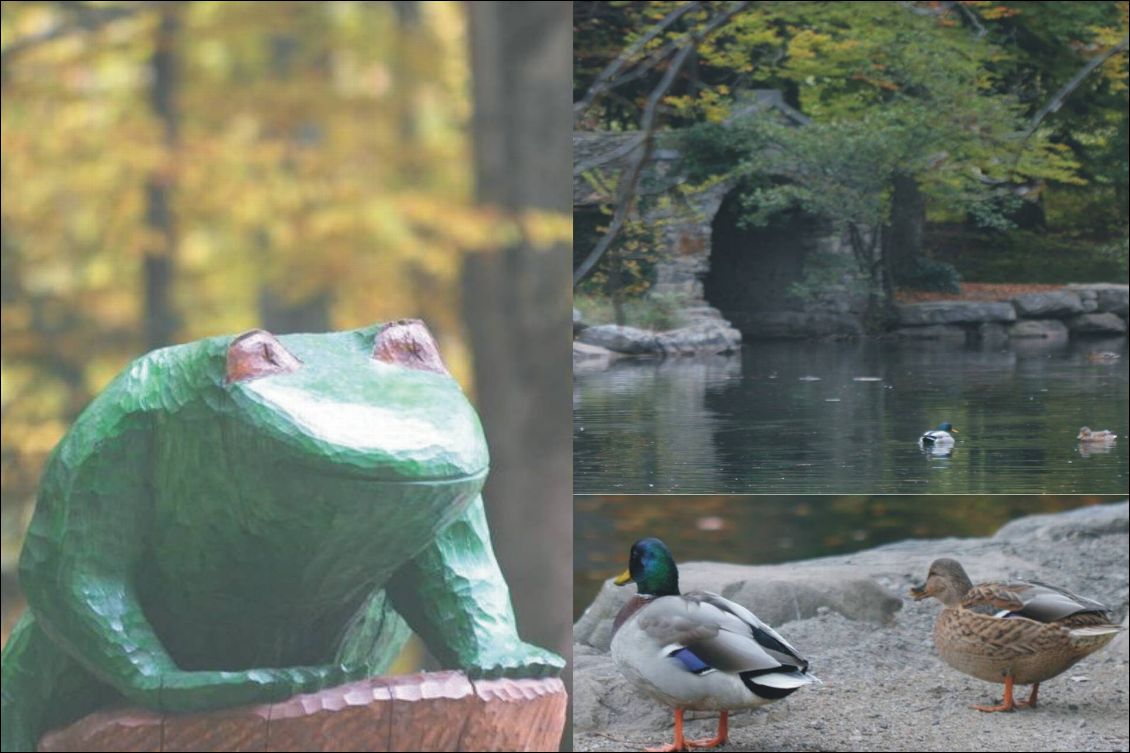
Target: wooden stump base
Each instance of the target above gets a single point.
(428, 711)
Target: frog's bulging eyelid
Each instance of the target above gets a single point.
(408, 343)
(252, 360)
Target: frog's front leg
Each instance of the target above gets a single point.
(87, 542)
(454, 596)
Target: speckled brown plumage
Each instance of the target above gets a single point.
(1012, 633)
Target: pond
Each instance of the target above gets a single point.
(844, 418)
(767, 529)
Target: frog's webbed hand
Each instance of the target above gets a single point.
(86, 546)
(454, 596)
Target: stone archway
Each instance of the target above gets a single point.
(752, 268)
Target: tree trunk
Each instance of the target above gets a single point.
(158, 265)
(902, 238)
(516, 303)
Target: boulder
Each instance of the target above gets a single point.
(1083, 523)
(621, 339)
(1055, 304)
(700, 339)
(1104, 323)
(1111, 298)
(954, 312)
(1051, 329)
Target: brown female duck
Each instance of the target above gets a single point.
(1015, 633)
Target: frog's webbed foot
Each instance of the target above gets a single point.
(516, 660)
(454, 596)
(182, 692)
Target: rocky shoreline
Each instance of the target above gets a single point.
(704, 332)
(1054, 316)
(1098, 309)
(885, 688)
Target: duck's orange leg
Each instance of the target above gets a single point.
(720, 738)
(1031, 702)
(680, 743)
(1007, 704)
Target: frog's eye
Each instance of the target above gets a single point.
(258, 353)
(408, 343)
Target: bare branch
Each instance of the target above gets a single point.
(626, 188)
(601, 83)
(1065, 91)
(621, 151)
(972, 18)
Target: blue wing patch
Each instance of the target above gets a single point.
(690, 662)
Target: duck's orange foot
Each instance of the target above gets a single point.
(991, 709)
(1031, 702)
(1007, 703)
(719, 739)
(680, 743)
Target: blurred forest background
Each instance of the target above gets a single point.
(175, 170)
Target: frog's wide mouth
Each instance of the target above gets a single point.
(378, 477)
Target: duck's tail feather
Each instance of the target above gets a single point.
(774, 684)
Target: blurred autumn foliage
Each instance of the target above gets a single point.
(179, 170)
(176, 170)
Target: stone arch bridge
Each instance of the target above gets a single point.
(718, 268)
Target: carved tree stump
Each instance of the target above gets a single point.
(430, 711)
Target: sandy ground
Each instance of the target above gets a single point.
(884, 687)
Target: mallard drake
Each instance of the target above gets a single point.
(939, 437)
(1015, 633)
(1087, 435)
(697, 650)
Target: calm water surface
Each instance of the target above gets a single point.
(827, 417)
(767, 529)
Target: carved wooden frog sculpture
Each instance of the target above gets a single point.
(237, 520)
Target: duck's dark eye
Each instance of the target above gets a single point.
(258, 353)
(408, 343)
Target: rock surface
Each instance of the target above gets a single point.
(954, 312)
(1107, 297)
(1051, 329)
(1055, 303)
(705, 338)
(884, 686)
(616, 337)
(1101, 324)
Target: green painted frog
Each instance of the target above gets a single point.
(237, 520)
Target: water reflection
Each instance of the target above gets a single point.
(768, 529)
(842, 417)
(1087, 449)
